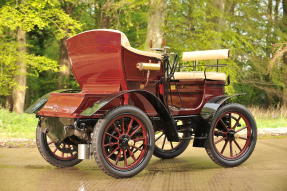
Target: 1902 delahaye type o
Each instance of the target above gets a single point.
(134, 104)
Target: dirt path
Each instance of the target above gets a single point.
(24, 169)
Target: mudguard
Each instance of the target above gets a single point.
(166, 119)
(210, 108)
(37, 105)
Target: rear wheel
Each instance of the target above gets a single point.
(232, 136)
(59, 154)
(166, 149)
(123, 142)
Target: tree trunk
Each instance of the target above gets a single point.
(65, 70)
(269, 35)
(219, 21)
(19, 91)
(154, 38)
(284, 23)
(284, 5)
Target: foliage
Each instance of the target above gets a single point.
(245, 27)
(255, 31)
(29, 15)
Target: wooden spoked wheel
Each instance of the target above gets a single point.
(123, 142)
(232, 136)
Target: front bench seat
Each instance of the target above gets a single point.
(126, 44)
(199, 75)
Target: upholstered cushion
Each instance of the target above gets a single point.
(199, 75)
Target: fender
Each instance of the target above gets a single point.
(37, 105)
(166, 119)
(210, 108)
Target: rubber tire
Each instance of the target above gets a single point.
(163, 154)
(97, 140)
(46, 153)
(209, 147)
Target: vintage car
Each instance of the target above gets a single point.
(134, 104)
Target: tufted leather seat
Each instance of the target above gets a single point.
(199, 75)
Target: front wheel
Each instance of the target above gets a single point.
(123, 142)
(232, 136)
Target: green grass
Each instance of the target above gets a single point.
(13, 125)
(271, 123)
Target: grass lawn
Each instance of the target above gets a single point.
(271, 123)
(13, 125)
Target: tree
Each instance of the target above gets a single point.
(23, 17)
(156, 21)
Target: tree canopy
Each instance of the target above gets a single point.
(255, 31)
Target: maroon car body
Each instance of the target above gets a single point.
(129, 96)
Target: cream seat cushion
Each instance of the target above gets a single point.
(126, 44)
(199, 75)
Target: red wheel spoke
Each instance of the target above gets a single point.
(135, 131)
(130, 125)
(125, 158)
(112, 136)
(240, 137)
(50, 142)
(138, 139)
(118, 156)
(163, 142)
(219, 140)
(118, 131)
(113, 151)
(236, 123)
(171, 144)
(219, 133)
(224, 146)
(237, 145)
(55, 150)
(62, 154)
(159, 137)
(230, 119)
(111, 144)
(137, 148)
(123, 125)
(225, 126)
(132, 154)
(240, 129)
(230, 145)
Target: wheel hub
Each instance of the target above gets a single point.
(231, 135)
(124, 141)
